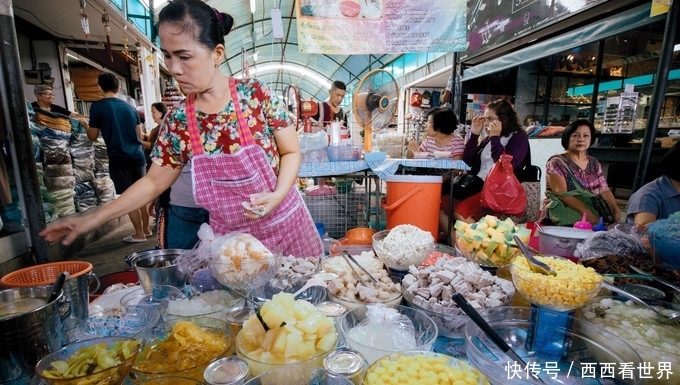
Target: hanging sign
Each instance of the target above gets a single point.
(380, 26)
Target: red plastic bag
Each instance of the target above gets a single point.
(502, 192)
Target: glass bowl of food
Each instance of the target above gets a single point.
(566, 351)
(185, 350)
(430, 288)
(302, 374)
(352, 291)
(402, 246)
(653, 340)
(96, 361)
(213, 303)
(143, 322)
(422, 367)
(378, 330)
(489, 241)
(285, 332)
(572, 286)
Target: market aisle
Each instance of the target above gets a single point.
(107, 254)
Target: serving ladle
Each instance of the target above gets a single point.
(668, 319)
(534, 264)
(314, 281)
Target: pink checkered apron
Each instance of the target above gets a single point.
(223, 181)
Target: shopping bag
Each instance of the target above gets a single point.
(502, 192)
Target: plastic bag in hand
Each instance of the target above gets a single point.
(194, 259)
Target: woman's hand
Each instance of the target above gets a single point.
(67, 229)
(264, 202)
(477, 124)
(411, 149)
(495, 127)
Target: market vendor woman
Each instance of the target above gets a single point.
(242, 144)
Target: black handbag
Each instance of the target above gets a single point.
(602, 207)
(466, 185)
(528, 172)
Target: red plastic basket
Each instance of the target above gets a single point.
(44, 274)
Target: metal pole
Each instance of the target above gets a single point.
(658, 93)
(15, 118)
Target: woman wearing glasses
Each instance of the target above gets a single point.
(45, 96)
(498, 131)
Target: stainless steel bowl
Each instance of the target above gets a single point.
(158, 267)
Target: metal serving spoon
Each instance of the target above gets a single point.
(657, 279)
(314, 281)
(535, 265)
(669, 319)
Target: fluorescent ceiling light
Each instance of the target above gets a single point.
(676, 48)
(266, 68)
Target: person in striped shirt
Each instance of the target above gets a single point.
(440, 135)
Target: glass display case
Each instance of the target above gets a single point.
(589, 82)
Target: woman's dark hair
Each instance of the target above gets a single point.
(160, 107)
(444, 120)
(210, 26)
(506, 115)
(572, 127)
(669, 163)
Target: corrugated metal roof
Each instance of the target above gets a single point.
(253, 33)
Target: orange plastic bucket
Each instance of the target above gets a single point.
(413, 200)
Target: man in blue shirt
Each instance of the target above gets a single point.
(659, 198)
(121, 128)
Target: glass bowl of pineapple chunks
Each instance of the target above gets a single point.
(489, 242)
(285, 331)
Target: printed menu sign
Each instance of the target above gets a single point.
(380, 26)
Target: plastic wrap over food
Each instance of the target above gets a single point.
(612, 242)
(385, 328)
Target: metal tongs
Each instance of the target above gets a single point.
(534, 264)
(350, 259)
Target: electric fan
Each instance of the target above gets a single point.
(375, 103)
